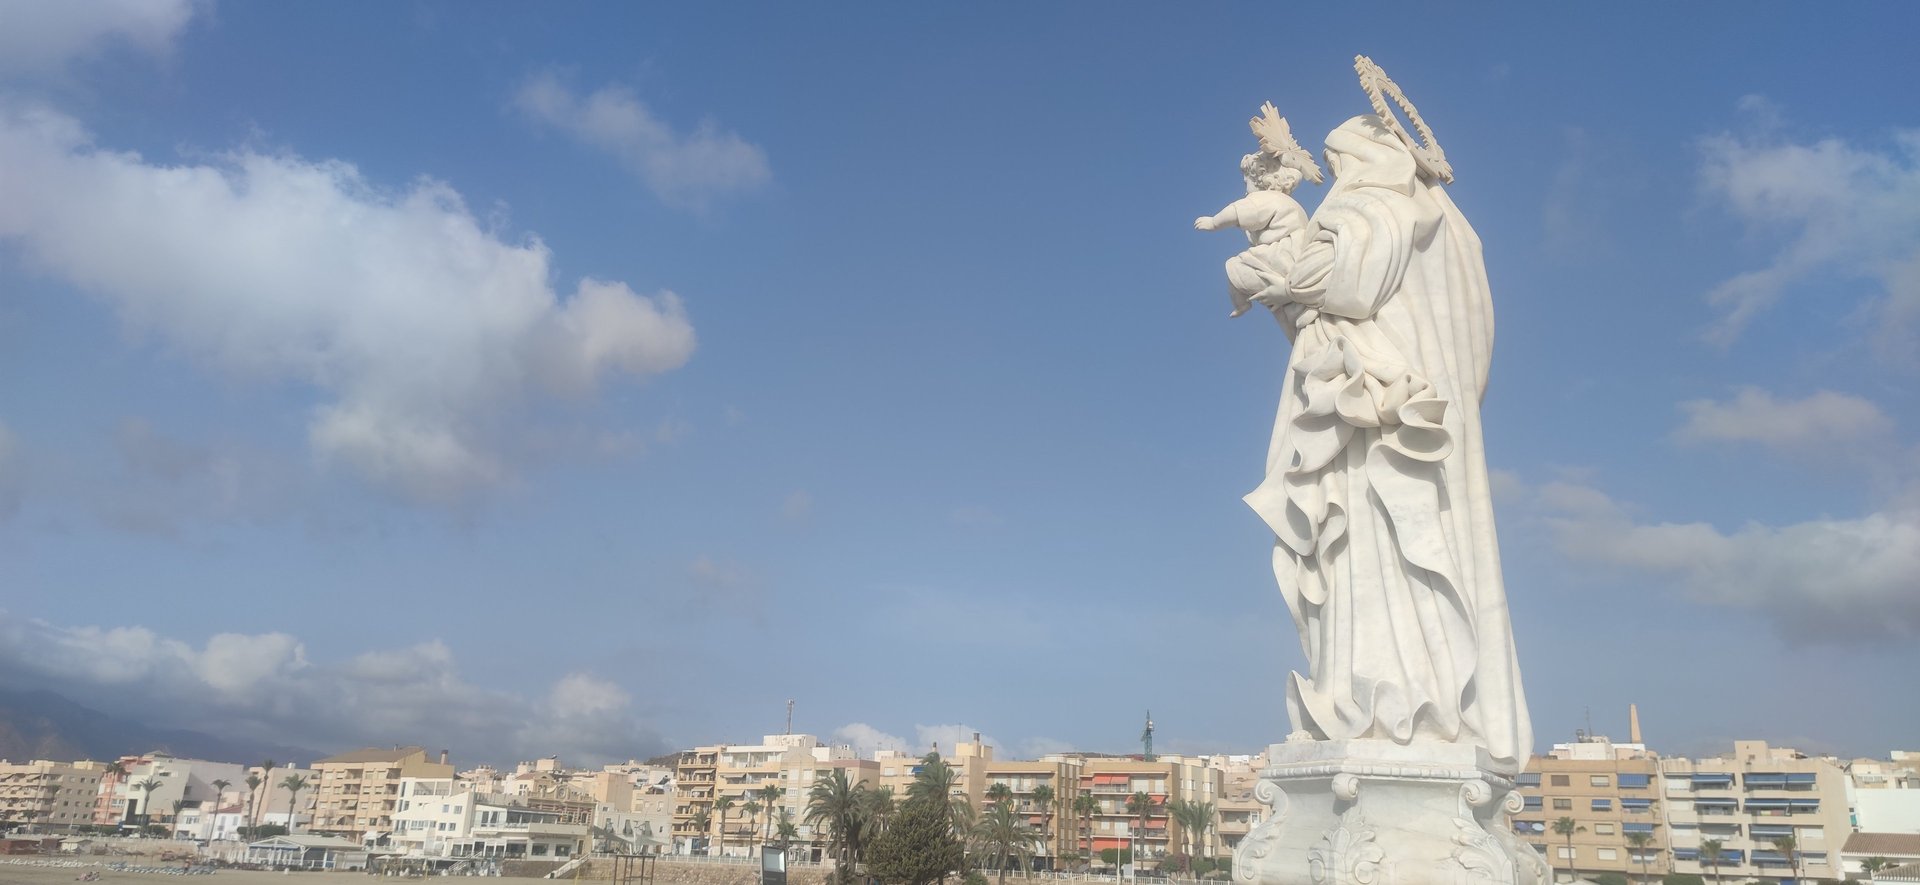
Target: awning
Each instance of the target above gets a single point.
(1766, 779)
(1802, 778)
(1712, 777)
(1109, 778)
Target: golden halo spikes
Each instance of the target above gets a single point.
(1426, 152)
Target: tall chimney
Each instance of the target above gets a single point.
(1633, 723)
(443, 757)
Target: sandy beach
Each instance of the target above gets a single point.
(22, 874)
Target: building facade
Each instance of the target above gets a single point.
(1593, 807)
(357, 793)
(49, 796)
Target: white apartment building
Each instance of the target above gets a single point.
(177, 786)
(1750, 798)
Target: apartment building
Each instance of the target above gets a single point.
(1237, 812)
(356, 794)
(1112, 781)
(1024, 780)
(1610, 796)
(439, 817)
(272, 804)
(49, 796)
(693, 779)
(1748, 799)
(158, 788)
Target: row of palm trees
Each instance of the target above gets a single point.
(766, 799)
(294, 784)
(1711, 850)
(1001, 837)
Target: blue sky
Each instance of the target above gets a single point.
(592, 383)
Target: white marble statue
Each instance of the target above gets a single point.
(1276, 226)
(1377, 494)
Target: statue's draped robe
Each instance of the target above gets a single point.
(1376, 486)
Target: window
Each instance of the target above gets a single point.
(1609, 854)
(1603, 829)
(1563, 805)
(1559, 780)
(1566, 853)
(1603, 805)
(1598, 780)
(1636, 781)
(1531, 803)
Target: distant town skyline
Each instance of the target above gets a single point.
(462, 375)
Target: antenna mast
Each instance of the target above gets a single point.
(789, 715)
(1146, 738)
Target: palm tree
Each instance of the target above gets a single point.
(786, 832)
(1043, 796)
(1639, 841)
(937, 778)
(253, 792)
(266, 777)
(1000, 836)
(219, 793)
(1566, 827)
(723, 805)
(839, 806)
(1873, 865)
(1787, 846)
(770, 797)
(293, 784)
(147, 786)
(1141, 806)
(999, 794)
(1195, 819)
(701, 821)
(1086, 806)
(1710, 855)
(751, 808)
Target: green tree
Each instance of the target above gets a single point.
(1000, 836)
(1710, 855)
(836, 805)
(702, 821)
(723, 805)
(1566, 827)
(786, 832)
(1639, 841)
(1044, 797)
(1875, 864)
(266, 777)
(770, 798)
(147, 786)
(937, 778)
(253, 792)
(999, 793)
(919, 846)
(1086, 806)
(1141, 806)
(751, 809)
(1195, 818)
(293, 784)
(1787, 846)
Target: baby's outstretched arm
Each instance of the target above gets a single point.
(1225, 218)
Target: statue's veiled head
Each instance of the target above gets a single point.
(1363, 152)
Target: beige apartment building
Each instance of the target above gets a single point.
(1059, 775)
(1113, 780)
(356, 793)
(49, 796)
(1751, 797)
(1611, 795)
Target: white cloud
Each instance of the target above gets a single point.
(865, 739)
(1819, 422)
(1844, 212)
(35, 34)
(421, 329)
(688, 168)
(1816, 581)
(264, 686)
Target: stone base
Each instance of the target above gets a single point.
(1380, 813)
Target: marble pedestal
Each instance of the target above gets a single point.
(1380, 813)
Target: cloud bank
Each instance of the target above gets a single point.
(421, 331)
(37, 35)
(684, 168)
(265, 686)
(1843, 212)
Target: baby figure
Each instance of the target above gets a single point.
(1275, 223)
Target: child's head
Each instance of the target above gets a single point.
(1265, 172)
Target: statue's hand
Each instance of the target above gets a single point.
(1204, 222)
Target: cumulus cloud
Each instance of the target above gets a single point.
(421, 329)
(866, 738)
(1842, 211)
(265, 686)
(36, 35)
(1816, 581)
(685, 168)
(1821, 421)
